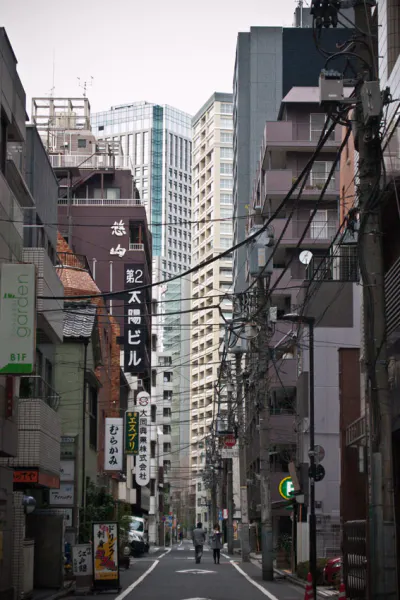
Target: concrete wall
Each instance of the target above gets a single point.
(328, 340)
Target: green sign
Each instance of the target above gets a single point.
(17, 318)
(286, 488)
(131, 432)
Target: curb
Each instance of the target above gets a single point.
(62, 593)
(292, 578)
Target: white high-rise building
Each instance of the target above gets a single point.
(212, 233)
(157, 140)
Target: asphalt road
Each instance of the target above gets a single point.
(173, 574)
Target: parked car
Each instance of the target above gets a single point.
(332, 570)
(136, 543)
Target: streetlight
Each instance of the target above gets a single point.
(310, 322)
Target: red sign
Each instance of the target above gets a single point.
(230, 441)
(25, 477)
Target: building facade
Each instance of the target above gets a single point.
(212, 233)
(157, 141)
(268, 64)
(287, 146)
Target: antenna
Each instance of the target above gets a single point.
(85, 84)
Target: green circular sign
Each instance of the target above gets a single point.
(286, 488)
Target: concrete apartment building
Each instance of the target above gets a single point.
(287, 146)
(211, 234)
(156, 139)
(268, 64)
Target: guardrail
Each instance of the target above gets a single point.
(101, 201)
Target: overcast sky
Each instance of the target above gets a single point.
(161, 51)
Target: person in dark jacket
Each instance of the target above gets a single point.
(216, 543)
(199, 539)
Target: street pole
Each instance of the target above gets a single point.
(83, 480)
(313, 525)
(382, 532)
(265, 469)
(230, 505)
(244, 531)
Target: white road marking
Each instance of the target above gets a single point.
(196, 572)
(137, 582)
(162, 556)
(250, 580)
(225, 556)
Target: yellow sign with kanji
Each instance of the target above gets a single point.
(131, 432)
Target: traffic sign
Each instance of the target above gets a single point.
(229, 441)
(286, 488)
(318, 474)
(319, 454)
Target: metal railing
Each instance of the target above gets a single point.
(355, 559)
(102, 201)
(35, 387)
(316, 181)
(392, 297)
(90, 161)
(305, 132)
(356, 431)
(74, 261)
(340, 266)
(139, 247)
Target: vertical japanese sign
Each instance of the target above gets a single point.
(105, 555)
(135, 325)
(82, 560)
(131, 432)
(113, 453)
(119, 230)
(143, 459)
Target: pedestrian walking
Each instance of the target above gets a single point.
(216, 543)
(199, 538)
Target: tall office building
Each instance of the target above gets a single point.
(157, 140)
(212, 233)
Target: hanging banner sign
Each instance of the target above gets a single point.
(143, 459)
(105, 556)
(131, 432)
(135, 324)
(113, 445)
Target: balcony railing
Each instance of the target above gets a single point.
(74, 261)
(340, 266)
(139, 247)
(356, 432)
(102, 201)
(89, 161)
(36, 387)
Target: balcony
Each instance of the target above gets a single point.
(11, 228)
(277, 183)
(319, 232)
(340, 266)
(89, 161)
(136, 247)
(290, 136)
(39, 427)
(101, 202)
(50, 312)
(283, 429)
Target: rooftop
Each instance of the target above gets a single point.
(79, 319)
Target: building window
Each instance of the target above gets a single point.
(226, 199)
(226, 109)
(226, 138)
(93, 418)
(81, 143)
(138, 148)
(226, 184)
(199, 487)
(166, 448)
(152, 449)
(153, 413)
(226, 152)
(226, 168)
(226, 123)
(166, 429)
(167, 412)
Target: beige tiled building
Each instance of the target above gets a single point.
(212, 164)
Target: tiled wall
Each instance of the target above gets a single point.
(18, 538)
(39, 436)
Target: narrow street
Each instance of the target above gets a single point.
(173, 574)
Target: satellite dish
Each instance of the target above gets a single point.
(305, 257)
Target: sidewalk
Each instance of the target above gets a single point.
(323, 592)
(68, 589)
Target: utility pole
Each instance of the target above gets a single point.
(265, 468)
(382, 540)
(244, 532)
(229, 465)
